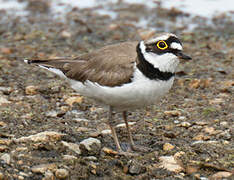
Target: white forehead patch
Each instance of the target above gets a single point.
(175, 45)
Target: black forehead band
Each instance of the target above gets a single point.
(173, 39)
(170, 40)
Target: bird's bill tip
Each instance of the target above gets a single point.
(183, 56)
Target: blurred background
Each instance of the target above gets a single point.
(192, 124)
(75, 20)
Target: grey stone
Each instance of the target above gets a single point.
(72, 146)
(6, 158)
(135, 168)
(170, 163)
(52, 113)
(91, 158)
(6, 90)
(225, 135)
(90, 146)
(106, 131)
(3, 100)
(49, 175)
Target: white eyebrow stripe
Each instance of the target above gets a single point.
(175, 45)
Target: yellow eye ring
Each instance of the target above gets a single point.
(162, 45)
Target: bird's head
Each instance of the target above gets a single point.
(163, 51)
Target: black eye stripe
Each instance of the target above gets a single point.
(152, 47)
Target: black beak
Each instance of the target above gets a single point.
(181, 55)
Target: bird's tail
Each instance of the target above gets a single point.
(56, 66)
(30, 61)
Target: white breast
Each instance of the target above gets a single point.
(139, 93)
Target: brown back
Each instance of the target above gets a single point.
(111, 65)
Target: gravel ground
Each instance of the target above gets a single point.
(48, 131)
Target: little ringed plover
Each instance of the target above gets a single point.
(124, 76)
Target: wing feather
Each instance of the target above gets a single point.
(111, 65)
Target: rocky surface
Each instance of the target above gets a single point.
(45, 125)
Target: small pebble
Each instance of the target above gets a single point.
(69, 157)
(6, 158)
(31, 90)
(191, 169)
(46, 136)
(23, 174)
(20, 178)
(3, 100)
(224, 123)
(109, 151)
(201, 123)
(209, 130)
(225, 135)
(113, 27)
(61, 173)
(21, 149)
(65, 34)
(3, 148)
(5, 141)
(52, 113)
(185, 124)
(169, 163)
(220, 175)
(49, 175)
(75, 99)
(203, 178)
(91, 146)
(80, 120)
(6, 90)
(42, 168)
(91, 158)
(176, 122)
(168, 147)
(179, 154)
(182, 118)
(2, 123)
(83, 129)
(172, 113)
(135, 168)
(72, 146)
(106, 131)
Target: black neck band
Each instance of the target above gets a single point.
(149, 70)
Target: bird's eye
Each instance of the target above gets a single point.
(162, 45)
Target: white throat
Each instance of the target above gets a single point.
(166, 62)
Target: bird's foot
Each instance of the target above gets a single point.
(127, 154)
(140, 148)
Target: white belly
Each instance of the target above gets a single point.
(139, 93)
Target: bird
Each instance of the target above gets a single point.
(124, 76)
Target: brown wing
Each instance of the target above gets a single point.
(111, 65)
